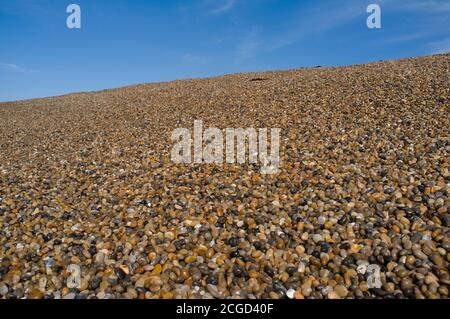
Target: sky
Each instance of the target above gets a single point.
(125, 42)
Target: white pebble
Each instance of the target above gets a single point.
(290, 293)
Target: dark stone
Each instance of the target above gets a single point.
(233, 241)
(48, 237)
(258, 79)
(291, 270)
(92, 250)
(3, 270)
(269, 271)
(238, 271)
(388, 259)
(179, 244)
(343, 220)
(259, 245)
(234, 254)
(379, 292)
(348, 261)
(409, 293)
(120, 273)
(144, 202)
(212, 280)
(279, 288)
(30, 256)
(324, 247)
(316, 254)
(119, 249)
(95, 283)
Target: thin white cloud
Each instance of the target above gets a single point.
(405, 37)
(324, 17)
(227, 5)
(442, 46)
(13, 68)
(194, 59)
(320, 18)
(250, 44)
(44, 9)
(438, 6)
(313, 20)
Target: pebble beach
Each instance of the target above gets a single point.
(87, 182)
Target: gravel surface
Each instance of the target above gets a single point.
(86, 179)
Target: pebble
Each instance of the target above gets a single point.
(36, 294)
(87, 180)
(341, 291)
(290, 293)
(333, 295)
(3, 289)
(214, 291)
(317, 238)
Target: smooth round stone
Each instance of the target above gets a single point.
(306, 291)
(3, 289)
(300, 249)
(171, 248)
(317, 238)
(273, 295)
(36, 294)
(153, 283)
(321, 220)
(438, 261)
(213, 290)
(298, 295)
(333, 295)
(410, 260)
(341, 291)
(419, 254)
(406, 283)
(190, 259)
(169, 235)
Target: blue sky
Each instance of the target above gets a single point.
(125, 42)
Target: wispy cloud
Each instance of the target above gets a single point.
(405, 38)
(318, 19)
(322, 18)
(438, 6)
(194, 59)
(13, 68)
(314, 20)
(227, 5)
(431, 25)
(442, 46)
(250, 44)
(36, 8)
